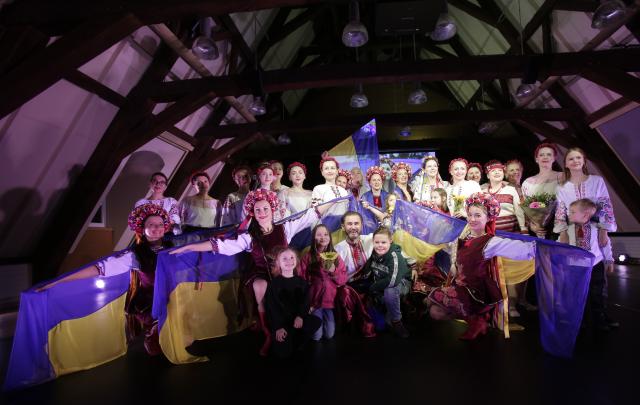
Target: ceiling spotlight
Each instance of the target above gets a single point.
(608, 13)
(359, 99)
(525, 90)
(445, 28)
(417, 97)
(283, 139)
(257, 106)
(405, 131)
(487, 127)
(355, 33)
(204, 47)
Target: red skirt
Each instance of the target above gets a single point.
(508, 223)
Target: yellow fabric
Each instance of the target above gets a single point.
(199, 313)
(87, 342)
(345, 153)
(503, 307)
(414, 247)
(517, 271)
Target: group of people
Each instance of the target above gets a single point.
(367, 279)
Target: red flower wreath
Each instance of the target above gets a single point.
(260, 195)
(489, 202)
(375, 170)
(141, 213)
(400, 166)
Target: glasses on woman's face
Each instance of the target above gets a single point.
(159, 182)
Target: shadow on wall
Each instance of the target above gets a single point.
(630, 154)
(131, 185)
(21, 206)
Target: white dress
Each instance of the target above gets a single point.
(593, 188)
(421, 190)
(530, 187)
(292, 202)
(168, 204)
(463, 189)
(326, 192)
(197, 212)
(232, 209)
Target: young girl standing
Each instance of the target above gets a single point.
(287, 305)
(325, 275)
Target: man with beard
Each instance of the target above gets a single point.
(356, 248)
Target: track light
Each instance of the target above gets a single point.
(417, 97)
(284, 139)
(487, 127)
(608, 13)
(204, 47)
(405, 131)
(355, 33)
(257, 106)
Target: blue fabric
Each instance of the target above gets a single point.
(40, 311)
(365, 141)
(370, 221)
(562, 284)
(425, 224)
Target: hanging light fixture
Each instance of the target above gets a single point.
(525, 90)
(445, 27)
(257, 106)
(417, 96)
(405, 131)
(284, 139)
(359, 99)
(204, 47)
(488, 127)
(355, 33)
(608, 13)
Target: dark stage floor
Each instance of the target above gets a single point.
(432, 366)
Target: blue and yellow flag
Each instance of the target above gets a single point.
(358, 150)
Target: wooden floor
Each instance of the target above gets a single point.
(432, 366)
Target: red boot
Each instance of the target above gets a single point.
(477, 327)
(264, 350)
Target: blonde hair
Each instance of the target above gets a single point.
(584, 204)
(443, 198)
(275, 270)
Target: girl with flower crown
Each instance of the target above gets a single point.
(329, 190)
(376, 197)
(474, 289)
(295, 199)
(459, 189)
(262, 238)
(400, 173)
(149, 222)
(344, 179)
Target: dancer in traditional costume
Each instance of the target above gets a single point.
(376, 197)
(459, 189)
(474, 172)
(287, 305)
(149, 222)
(232, 207)
(475, 289)
(513, 174)
(329, 190)
(358, 187)
(295, 199)
(278, 172)
(158, 185)
(400, 173)
(262, 238)
(200, 211)
(427, 179)
(545, 182)
(344, 179)
(325, 271)
(511, 219)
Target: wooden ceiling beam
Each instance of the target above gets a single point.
(474, 11)
(398, 119)
(585, 6)
(464, 68)
(31, 77)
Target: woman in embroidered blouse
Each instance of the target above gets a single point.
(580, 184)
(546, 181)
(511, 217)
(459, 189)
(261, 240)
(295, 199)
(157, 186)
(329, 190)
(278, 172)
(427, 179)
(400, 173)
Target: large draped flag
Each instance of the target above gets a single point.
(358, 150)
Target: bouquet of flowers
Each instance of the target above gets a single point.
(458, 203)
(328, 258)
(539, 208)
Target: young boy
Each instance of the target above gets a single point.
(584, 233)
